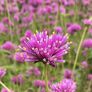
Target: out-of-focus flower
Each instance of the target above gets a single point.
(87, 21)
(28, 33)
(2, 27)
(39, 83)
(87, 43)
(35, 71)
(5, 90)
(89, 76)
(74, 28)
(8, 46)
(20, 57)
(68, 74)
(2, 72)
(58, 29)
(66, 85)
(18, 79)
(84, 64)
(62, 10)
(86, 2)
(41, 47)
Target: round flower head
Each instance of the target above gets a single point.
(87, 43)
(87, 21)
(68, 74)
(8, 46)
(58, 29)
(84, 64)
(20, 57)
(2, 72)
(5, 90)
(39, 83)
(74, 28)
(66, 85)
(41, 47)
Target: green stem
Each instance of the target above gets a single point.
(79, 47)
(46, 78)
(9, 17)
(4, 86)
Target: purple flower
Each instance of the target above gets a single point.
(5, 90)
(2, 27)
(41, 47)
(86, 2)
(68, 74)
(66, 85)
(28, 33)
(8, 46)
(74, 28)
(2, 72)
(89, 76)
(84, 64)
(20, 57)
(87, 43)
(18, 79)
(87, 21)
(34, 71)
(39, 83)
(58, 29)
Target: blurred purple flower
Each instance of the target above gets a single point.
(68, 74)
(87, 43)
(58, 29)
(8, 46)
(89, 76)
(18, 79)
(39, 83)
(87, 21)
(86, 2)
(20, 57)
(43, 48)
(74, 28)
(84, 64)
(5, 90)
(66, 85)
(2, 72)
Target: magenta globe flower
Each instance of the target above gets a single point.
(45, 48)
(66, 85)
(73, 28)
(8, 46)
(5, 90)
(87, 43)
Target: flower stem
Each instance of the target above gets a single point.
(79, 47)
(4, 86)
(46, 78)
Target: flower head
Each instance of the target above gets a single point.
(74, 28)
(66, 85)
(44, 48)
(5, 90)
(87, 43)
(8, 46)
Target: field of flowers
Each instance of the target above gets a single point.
(45, 45)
